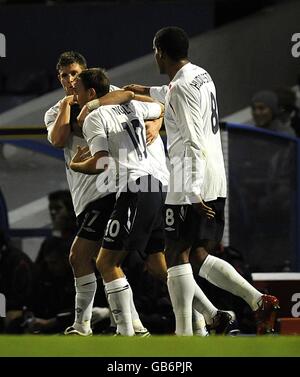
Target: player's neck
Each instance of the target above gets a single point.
(175, 67)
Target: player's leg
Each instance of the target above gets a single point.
(157, 266)
(82, 256)
(148, 213)
(221, 273)
(181, 283)
(83, 253)
(181, 231)
(224, 275)
(181, 286)
(116, 239)
(155, 258)
(117, 288)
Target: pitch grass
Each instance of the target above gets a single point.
(155, 346)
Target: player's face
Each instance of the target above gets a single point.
(158, 58)
(59, 214)
(67, 76)
(262, 114)
(83, 95)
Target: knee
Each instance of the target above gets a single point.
(75, 256)
(197, 257)
(177, 252)
(175, 256)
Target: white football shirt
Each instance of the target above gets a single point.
(193, 137)
(84, 188)
(120, 130)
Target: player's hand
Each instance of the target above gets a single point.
(138, 89)
(70, 100)
(82, 115)
(152, 130)
(202, 209)
(81, 155)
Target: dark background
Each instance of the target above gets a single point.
(38, 31)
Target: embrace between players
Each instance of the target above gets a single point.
(125, 198)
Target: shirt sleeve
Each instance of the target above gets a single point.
(186, 107)
(94, 133)
(159, 93)
(112, 88)
(49, 119)
(148, 110)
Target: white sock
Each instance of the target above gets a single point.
(136, 322)
(85, 287)
(111, 317)
(118, 296)
(199, 325)
(225, 276)
(203, 305)
(181, 285)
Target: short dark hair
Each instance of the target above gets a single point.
(70, 57)
(64, 196)
(95, 78)
(173, 41)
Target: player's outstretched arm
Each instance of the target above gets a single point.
(61, 128)
(116, 97)
(138, 89)
(83, 162)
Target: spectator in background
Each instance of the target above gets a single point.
(63, 224)
(265, 112)
(54, 287)
(289, 114)
(16, 283)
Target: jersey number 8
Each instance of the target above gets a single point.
(214, 114)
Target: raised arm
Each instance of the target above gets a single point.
(61, 128)
(138, 89)
(116, 97)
